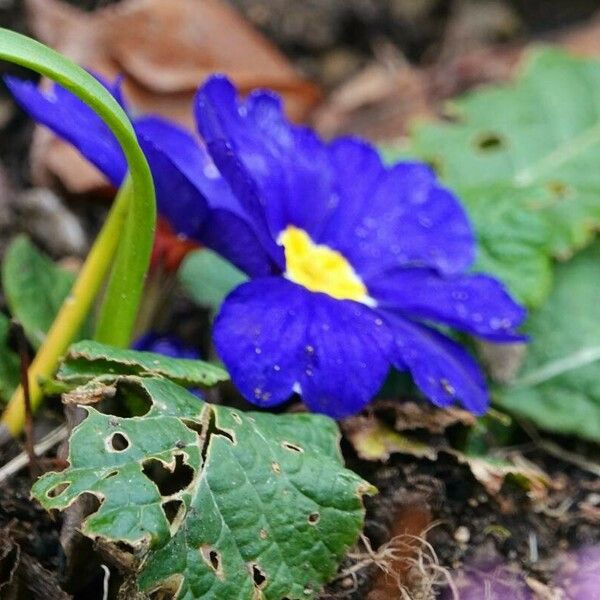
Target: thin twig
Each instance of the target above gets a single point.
(555, 450)
(23, 350)
(16, 464)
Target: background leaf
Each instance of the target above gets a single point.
(208, 278)
(9, 362)
(559, 384)
(267, 509)
(524, 159)
(34, 286)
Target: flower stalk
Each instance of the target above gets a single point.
(125, 240)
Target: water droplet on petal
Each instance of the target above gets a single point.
(447, 387)
(276, 368)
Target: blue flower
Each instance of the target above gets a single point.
(351, 263)
(359, 261)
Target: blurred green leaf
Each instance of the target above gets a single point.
(558, 387)
(208, 278)
(34, 286)
(524, 159)
(9, 362)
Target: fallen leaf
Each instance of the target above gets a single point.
(409, 415)
(378, 102)
(374, 440)
(492, 474)
(21, 576)
(164, 50)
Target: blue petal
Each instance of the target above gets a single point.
(187, 180)
(349, 357)
(217, 112)
(259, 334)
(70, 118)
(477, 304)
(281, 172)
(395, 217)
(441, 368)
(276, 337)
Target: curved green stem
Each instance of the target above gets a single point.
(136, 203)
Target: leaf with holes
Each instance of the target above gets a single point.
(524, 159)
(558, 387)
(223, 505)
(88, 360)
(9, 362)
(34, 286)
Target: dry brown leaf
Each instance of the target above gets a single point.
(164, 50)
(373, 440)
(379, 102)
(409, 415)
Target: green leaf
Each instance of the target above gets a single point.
(559, 385)
(208, 278)
(524, 159)
(265, 510)
(88, 360)
(34, 286)
(9, 363)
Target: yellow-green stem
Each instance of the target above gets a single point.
(73, 312)
(133, 236)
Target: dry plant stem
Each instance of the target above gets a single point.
(19, 462)
(25, 363)
(71, 315)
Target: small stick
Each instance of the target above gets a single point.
(16, 464)
(23, 350)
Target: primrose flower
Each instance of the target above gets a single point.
(359, 259)
(350, 262)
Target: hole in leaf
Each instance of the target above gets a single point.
(174, 510)
(213, 559)
(194, 426)
(117, 442)
(58, 489)
(276, 467)
(126, 401)
(109, 475)
(258, 576)
(490, 142)
(292, 447)
(168, 482)
(313, 518)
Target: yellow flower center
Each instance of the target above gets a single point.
(319, 268)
